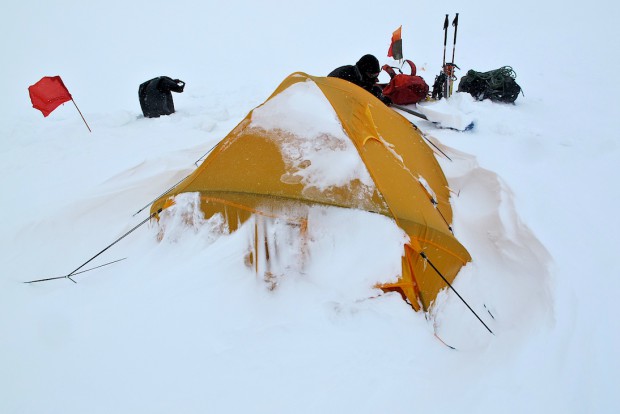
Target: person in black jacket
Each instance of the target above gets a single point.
(365, 73)
(155, 96)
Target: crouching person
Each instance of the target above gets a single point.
(156, 97)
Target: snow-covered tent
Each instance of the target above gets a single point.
(324, 141)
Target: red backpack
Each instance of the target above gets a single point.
(405, 89)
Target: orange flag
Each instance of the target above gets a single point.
(396, 47)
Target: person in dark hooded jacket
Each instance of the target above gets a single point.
(364, 73)
(155, 96)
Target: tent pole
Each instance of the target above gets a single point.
(76, 107)
(161, 195)
(425, 257)
(174, 186)
(422, 133)
(198, 160)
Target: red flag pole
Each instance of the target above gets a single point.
(76, 107)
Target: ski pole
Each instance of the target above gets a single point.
(445, 39)
(455, 24)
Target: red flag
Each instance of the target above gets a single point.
(396, 47)
(48, 93)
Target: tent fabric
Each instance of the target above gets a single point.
(248, 174)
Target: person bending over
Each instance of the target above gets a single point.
(365, 74)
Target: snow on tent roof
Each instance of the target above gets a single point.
(312, 141)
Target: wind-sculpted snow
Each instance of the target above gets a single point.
(510, 274)
(185, 326)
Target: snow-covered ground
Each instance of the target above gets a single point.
(182, 325)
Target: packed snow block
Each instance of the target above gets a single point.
(156, 97)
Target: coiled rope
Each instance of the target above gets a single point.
(497, 85)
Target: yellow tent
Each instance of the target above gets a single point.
(262, 169)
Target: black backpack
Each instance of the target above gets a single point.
(497, 85)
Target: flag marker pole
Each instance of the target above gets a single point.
(78, 109)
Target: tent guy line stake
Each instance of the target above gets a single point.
(425, 257)
(110, 245)
(76, 273)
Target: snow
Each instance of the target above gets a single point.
(183, 325)
(314, 146)
(451, 113)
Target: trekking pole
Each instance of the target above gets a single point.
(445, 39)
(425, 257)
(455, 24)
(110, 245)
(443, 76)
